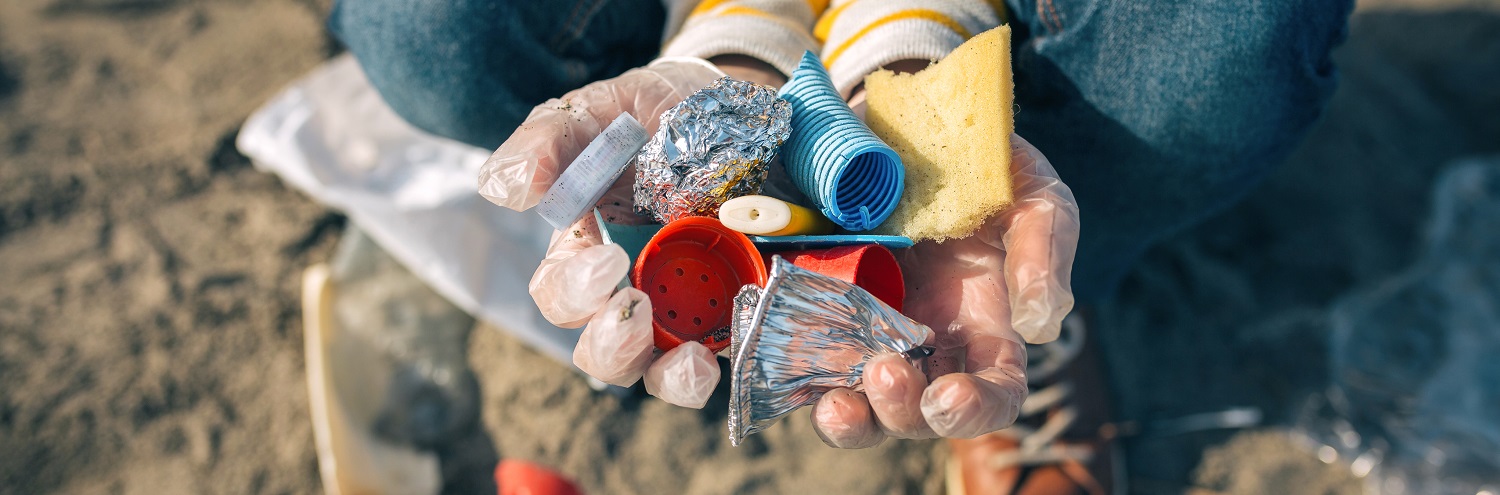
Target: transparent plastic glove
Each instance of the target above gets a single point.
(684, 376)
(616, 347)
(526, 164)
(575, 284)
(577, 276)
(984, 297)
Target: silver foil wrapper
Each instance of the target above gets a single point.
(714, 146)
(803, 335)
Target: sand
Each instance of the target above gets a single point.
(150, 336)
(148, 311)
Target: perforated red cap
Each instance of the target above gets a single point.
(692, 269)
(872, 267)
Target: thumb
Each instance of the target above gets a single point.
(1040, 239)
(525, 166)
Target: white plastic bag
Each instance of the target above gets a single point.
(1414, 404)
(344, 403)
(333, 137)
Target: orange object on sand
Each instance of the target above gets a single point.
(525, 478)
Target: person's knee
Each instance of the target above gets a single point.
(472, 69)
(1199, 118)
(1161, 114)
(439, 65)
(1260, 86)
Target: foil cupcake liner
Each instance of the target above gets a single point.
(803, 335)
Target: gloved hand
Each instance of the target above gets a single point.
(574, 284)
(981, 296)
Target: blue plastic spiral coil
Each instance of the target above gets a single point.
(852, 176)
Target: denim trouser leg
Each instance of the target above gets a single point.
(472, 69)
(1158, 114)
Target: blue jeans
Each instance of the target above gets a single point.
(1157, 114)
(471, 70)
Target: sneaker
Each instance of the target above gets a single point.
(1062, 443)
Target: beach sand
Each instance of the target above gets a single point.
(150, 334)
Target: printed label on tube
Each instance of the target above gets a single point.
(590, 175)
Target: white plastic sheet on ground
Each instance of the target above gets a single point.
(333, 137)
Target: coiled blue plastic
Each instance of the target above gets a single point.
(852, 176)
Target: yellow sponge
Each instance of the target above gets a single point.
(951, 123)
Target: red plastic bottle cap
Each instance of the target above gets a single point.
(692, 269)
(525, 478)
(872, 267)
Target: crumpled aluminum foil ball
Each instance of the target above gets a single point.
(714, 146)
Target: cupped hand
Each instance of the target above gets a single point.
(575, 284)
(984, 297)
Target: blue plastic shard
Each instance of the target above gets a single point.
(632, 238)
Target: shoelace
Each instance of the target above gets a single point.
(1038, 445)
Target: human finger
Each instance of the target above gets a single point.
(894, 388)
(1040, 239)
(966, 405)
(521, 170)
(684, 376)
(578, 275)
(963, 298)
(843, 419)
(616, 347)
